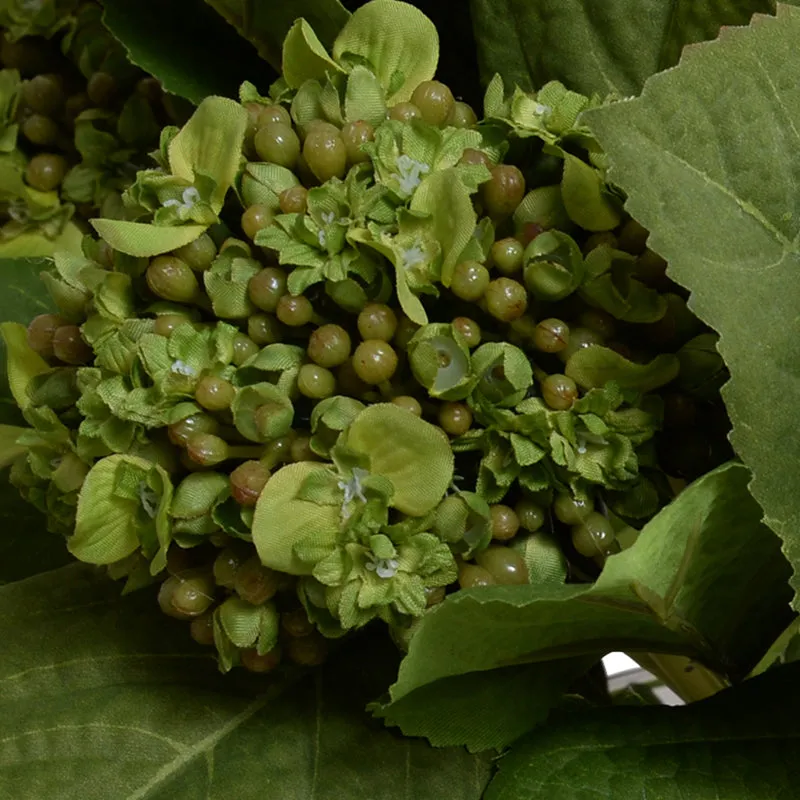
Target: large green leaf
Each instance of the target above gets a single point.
(187, 46)
(103, 697)
(23, 296)
(712, 168)
(609, 46)
(265, 23)
(705, 578)
(738, 745)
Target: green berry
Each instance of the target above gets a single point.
(185, 597)
(504, 191)
(578, 339)
(69, 347)
(201, 629)
(462, 116)
(101, 88)
(505, 565)
(247, 482)
(293, 200)
(206, 449)
(572, 510)
(44, 94)
(530, 515)
(377, 321)
(180, 432)
(601, 322)
(296, 622)
(172, 279)
(374, 361)
(506, 299)
(551, 335)
(199, 254)
(315, 382)
(471, 575)
(294, 310)
(264, 329)
(472, 157)
(326, 154)
(434, 100)
(632, 238)
(46, 171)
(40, 130)
(408, 403)
(266, 288)
(253, 661)
(329, 346)
(505, 522)
(307, 651)
(277, 143)
(354, 135)
(470, 281)
(41, 331)
(594, 536)
(214, 394)
(404, 333)
(404, 112)
(301, 449)
(244, 348)
(455, 419)
(469, 329)
(225, 566)
(254, 219)
(255, 583)
(507, 255)
(559, 392)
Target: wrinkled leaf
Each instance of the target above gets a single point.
(728, 222)
(593, 367)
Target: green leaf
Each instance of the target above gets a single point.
(191, 51)
(112, 693)
(680, 588)
(593, 367)
(141, 239)
(413, 454)
(395, 39)
(739, 743)
(23, 363)
(265, 23)
(728, 223)
(585, 198)
(609, 47)
(305, 57)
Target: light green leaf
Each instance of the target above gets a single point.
(593, 367)
(364, 97)
(585, 198)
(305, 57)
(609, 47)
(141, 239)
(680, 588)
(265, 23)
(9, 449)
(32, 244)
(22, 363)
(281, 521)
(90, 678)
(739, 743)
(190, 51)
(210, 145)
(728, 225)
(413, 454)
(393, 38)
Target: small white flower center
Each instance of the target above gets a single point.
(352, 490)
(322, 239)
(182, 368)
(411, 173)
(414, 255)
(190, 197)
(148, 499)
(328, 217)
(383, 567)
(542, 110)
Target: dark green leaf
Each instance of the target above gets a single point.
(682, 587)
(712, 168)
(608, 47)
(24, 295)
(266, 22)
(104, 698)
(741, 743)
(187, 46)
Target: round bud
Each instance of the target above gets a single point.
(434, 100)
(307, 651)
(506, 299)
(505, 522)
(507, 255)
(198, 254)
(329, 346)
(244, 348)
(201, 629)
(455, 419)
(355, 134)
(505, 565)
(186, 597)
(296, 622)
(69, 347)
(594, 536)
(504, 191)
(530, 515)
(559, 392)
(470, 281)
(264, 329)
(44, 94)
(469, 329)
(260, 664)
(408, 403)
(247, 481)
(470, 156)
(101, 88)
(315, 382)
(326, 154)
(294, 310)
(377, 321)
(277, 143)
(404, 112)
(472, 575)
(301, 449)
(226, 565)
(40, 130)
(572, 510)
(254, 582)
(46, 171)
(41, 331)
(172, 279)
(254, 219)
(179, 432)
(374, 361)
(462, 115)
(551, 335)
(578, 339)
(294, 200)
(601, 322)
(266, 288)
(214, 394)
(206, 449)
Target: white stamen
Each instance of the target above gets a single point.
(328, 217)
(190, 197)
(410, 173)
(541, 109)
(148, 499)
(182, 368)
(413, 255)
(383, 567)
(322, 239)
(352, 490)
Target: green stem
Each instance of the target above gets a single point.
(688, 679)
